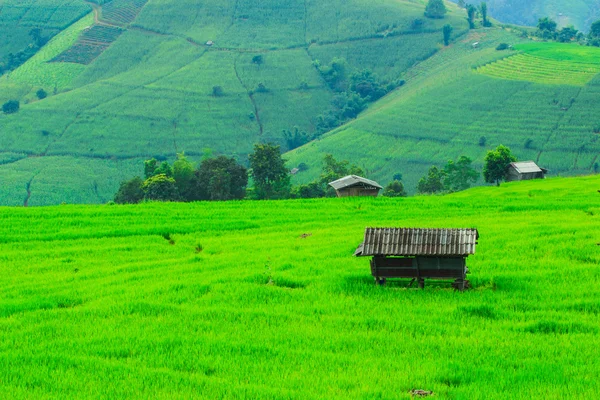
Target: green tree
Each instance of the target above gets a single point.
(484, 20)
(447, 30)
(130, 192)
(433, 182)
(258, 59)
(217, 91)
(165, 169)
(496, 163)
(11, 107)
(295, 138)
(334, 170)
(308, 191)
(219, 178)
(183, 173)
(150, 167)
(41, 94)
(271, 177)
(160, 188)
(471, 11)
(546, 28)
(595, 29)
(566, 34)
(435, 9)
(394, 189)
(459, 174)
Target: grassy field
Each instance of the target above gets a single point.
(448, 105)
(551, 63)
(149, 92)
(227, 300)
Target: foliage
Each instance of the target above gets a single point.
(217, 91)
(130, 192)
(595, 29)
(258, 59)
(295, 138)
(484, 19)
(11, 107)
(308, 191)
(271, 177)
(433, 182)
(447, 31)
(566, 34)
(496, 164)
(502, 46)
(334, 170)
(394, 189)
(160, 187)
(435, 9)
(220, 178)
(41, 94)
(183, 173)
(459, 175)
(471, 11)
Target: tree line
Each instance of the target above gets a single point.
(223, 178)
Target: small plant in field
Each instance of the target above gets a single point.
(199, 248)
(482, 141)
(529, 143)
(217, 91)
(502, 46)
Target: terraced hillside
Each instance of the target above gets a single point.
(264, 300)
(541, 100)
(149, 92)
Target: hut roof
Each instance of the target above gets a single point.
(525, 167)
(418, 242)
(353, 180)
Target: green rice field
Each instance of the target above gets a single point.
(265, 300)
(550, 63)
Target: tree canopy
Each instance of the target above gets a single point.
(271, 177)
(496, 164)
(435, 9)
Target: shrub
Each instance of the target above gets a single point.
(502, 46)
(217, 91)
(41, 94)
(11, 107)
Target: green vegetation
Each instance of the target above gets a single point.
(143, 82)
(548, 63)
(496, 164)
(448, 108)
(264, 299)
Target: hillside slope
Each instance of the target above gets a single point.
(264, 300)
(135, 79)
(541, 100)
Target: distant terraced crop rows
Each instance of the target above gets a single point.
(90, 45)
(122, 12)
(526, 67)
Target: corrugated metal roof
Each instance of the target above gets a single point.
(526, 167)
(418, 242)
(352, 180)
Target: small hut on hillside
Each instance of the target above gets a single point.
(419, 253)
(353, 185)
(524, 170)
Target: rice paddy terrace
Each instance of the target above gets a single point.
(540, 99)
(265, 300)
(134, 79)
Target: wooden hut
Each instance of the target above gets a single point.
(524, 170)
(353, 185)
(419, 253)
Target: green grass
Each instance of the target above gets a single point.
(226, 300)
(150, 92)
(446, 107)
(38, 71)
(551, 63)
